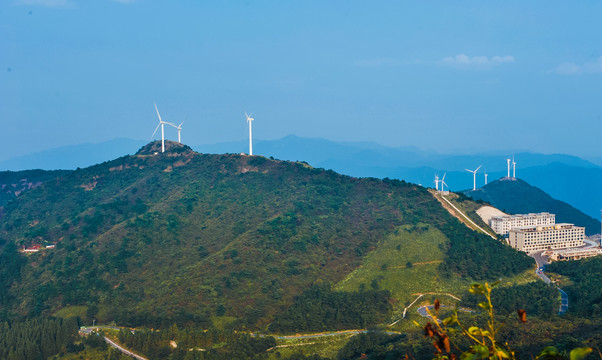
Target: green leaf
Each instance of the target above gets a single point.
(467, 356)
(502, 354)
(580, 353)
(473, 330)
(482, 352)
(484, 305)
(450, 320)
(548, 352)
(477, 289)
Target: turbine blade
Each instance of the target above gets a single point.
(443, 178)
(159, 115)
(154, 132)
(478, 168)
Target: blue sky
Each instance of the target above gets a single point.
(470, 76)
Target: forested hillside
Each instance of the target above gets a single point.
(15, 183)
(180, 237)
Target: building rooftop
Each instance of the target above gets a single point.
(516, 216)
(557, 226)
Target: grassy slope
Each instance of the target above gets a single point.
(423, 246)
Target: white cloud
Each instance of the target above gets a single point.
(45, 3)
(570, 68)
(477, 61)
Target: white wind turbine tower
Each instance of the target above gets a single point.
(485, 178)
(474, 177)
(249, 120)
(513, 167)
(162, 124)
(437, 182)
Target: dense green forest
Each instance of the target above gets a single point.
(584, 287)
(11, 263)
(191, 344)
(36, 339)
(181, 237)
(489, 259)
(321, 309)
(537, 298)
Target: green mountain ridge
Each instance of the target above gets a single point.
(178, 237)
(15, 183)
(518, 197)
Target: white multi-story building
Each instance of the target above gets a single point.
(544, 237)
(503, 224)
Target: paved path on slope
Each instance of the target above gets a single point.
(541, 264)
(88, 331)
(466, 217)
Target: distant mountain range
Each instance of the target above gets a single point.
(565, 177)
(518, 197)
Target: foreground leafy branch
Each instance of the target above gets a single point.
(484, 340)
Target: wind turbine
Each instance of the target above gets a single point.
(162, 124)
(474, 177)
(249, 120)
(513, 167)
(508, 161)
(437, 182)
(179, 127)
(443, 182)
(485, 178)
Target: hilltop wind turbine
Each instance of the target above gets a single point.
(485, 178)
(249, 120)
(513, 167)
(474, 177)
(443, 181)
(508, 161)
(179, 127)
(162, 124)
(437, 182)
